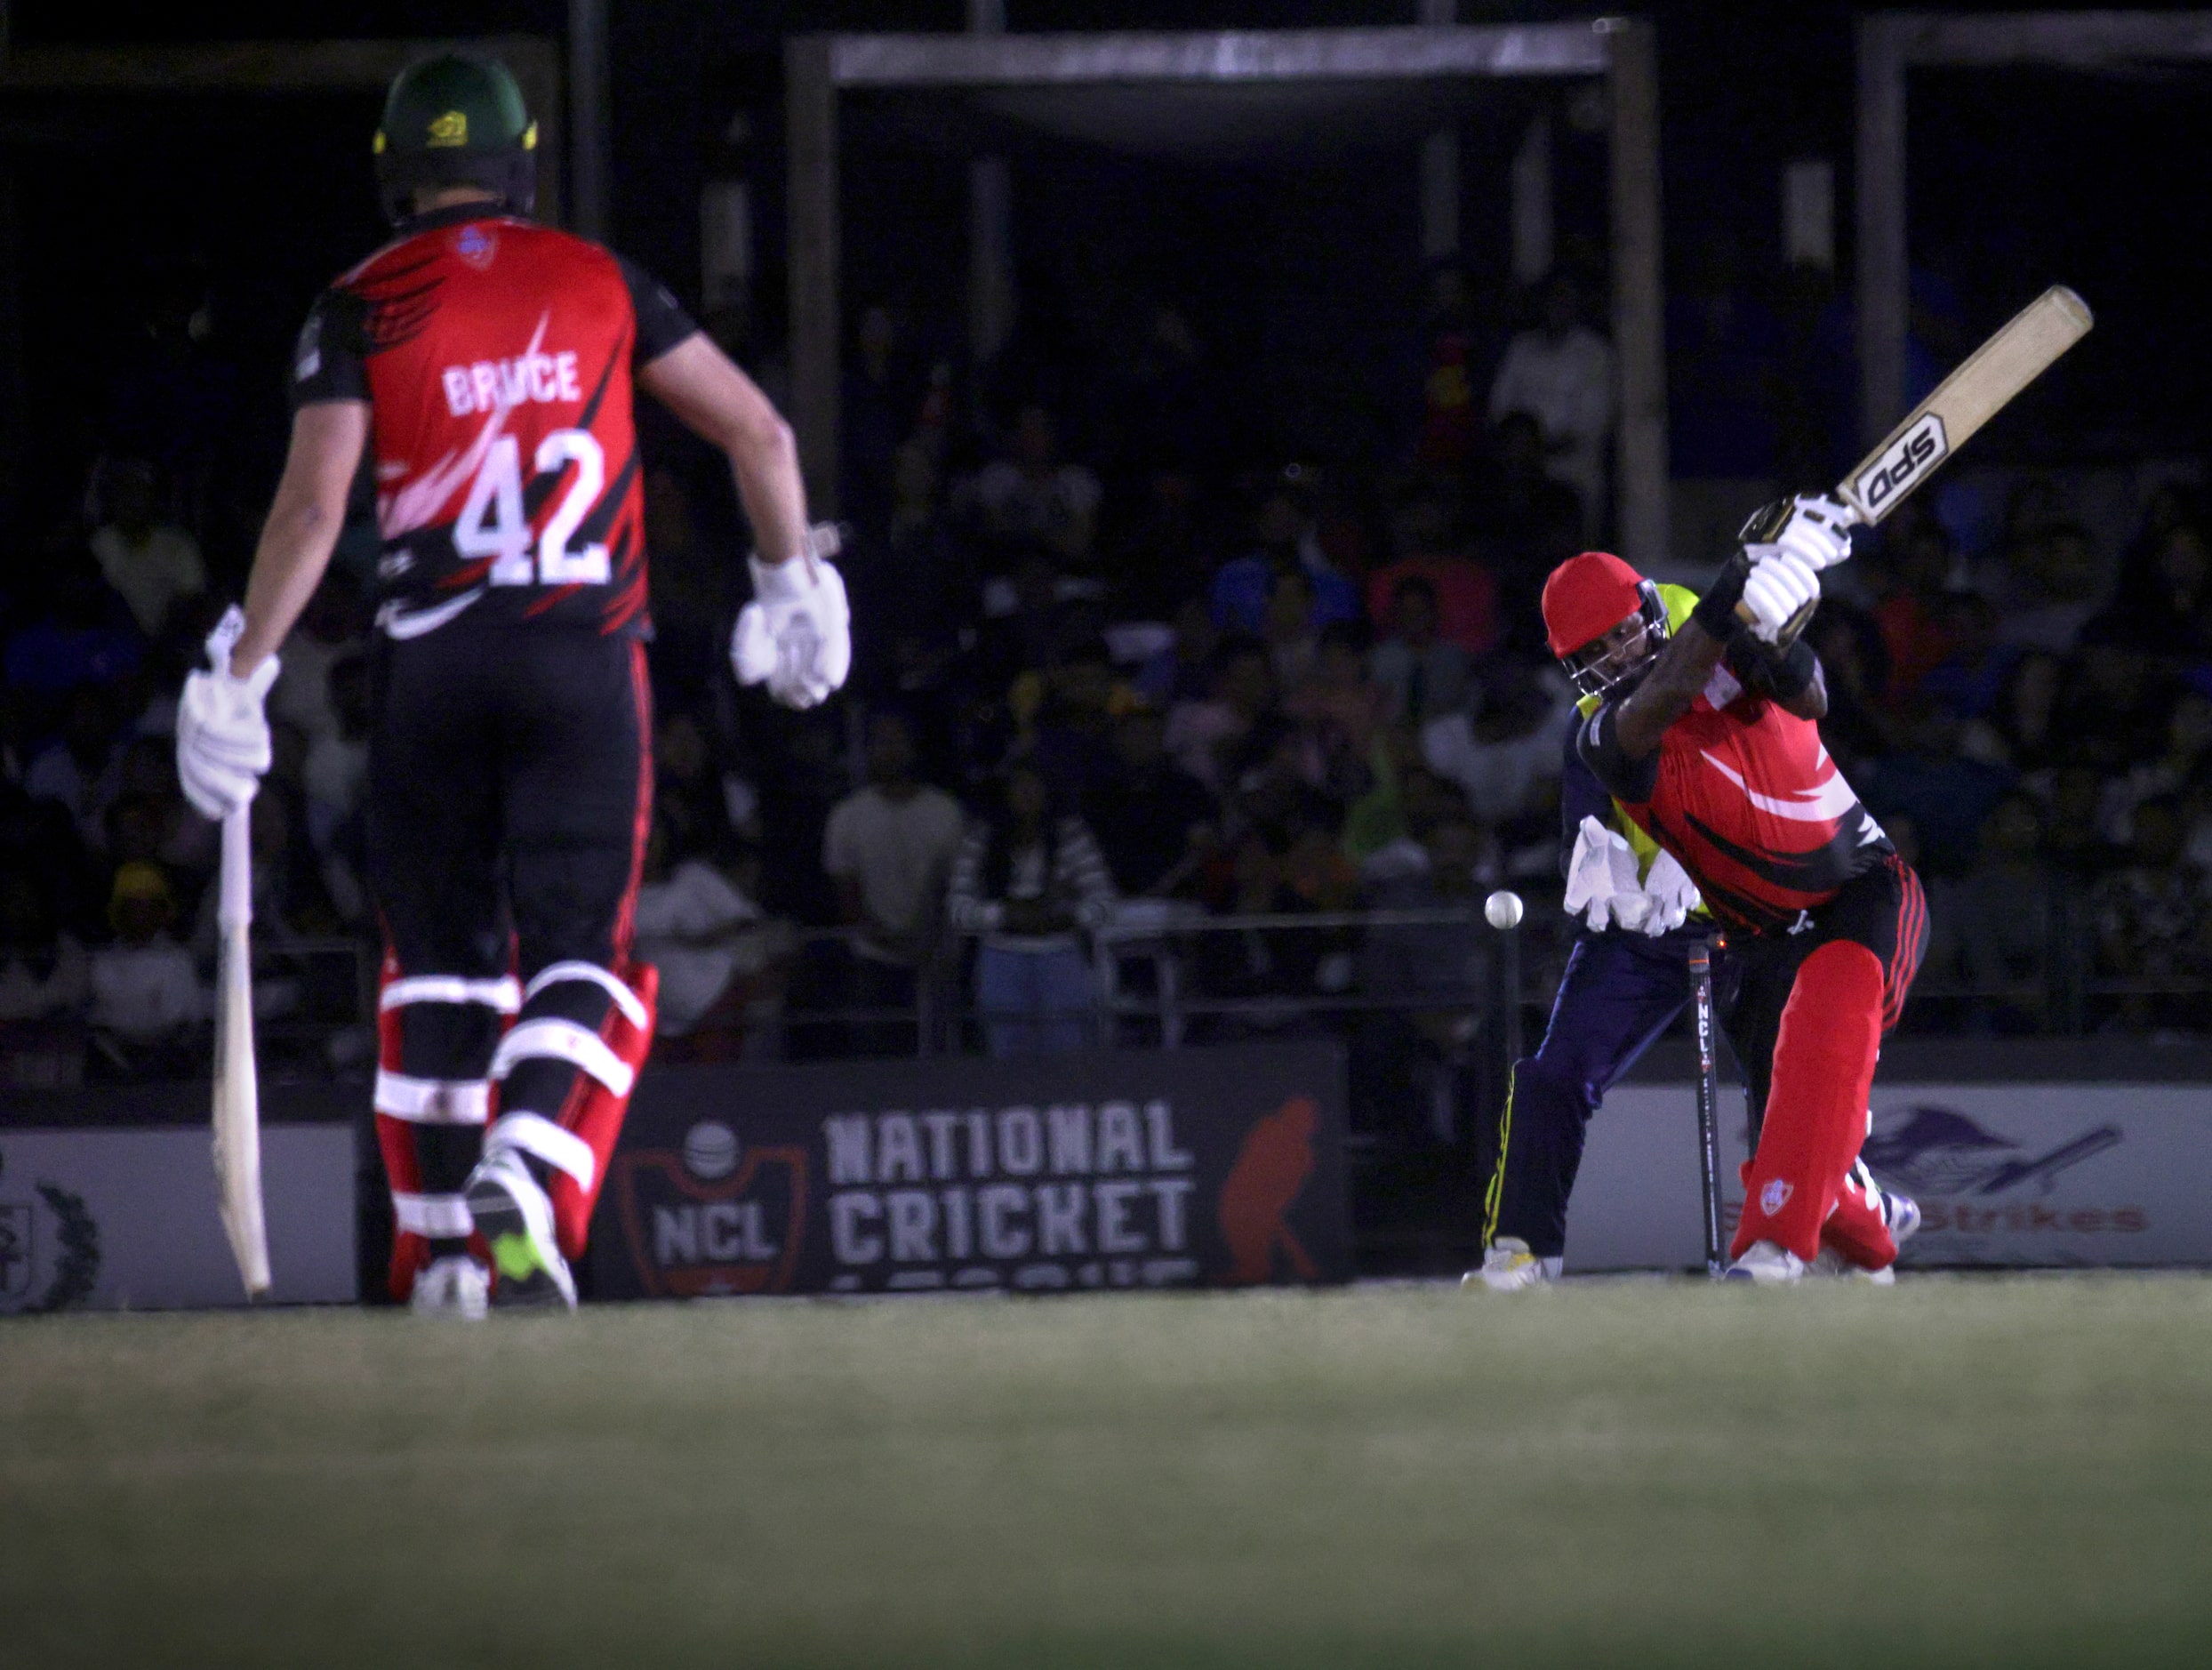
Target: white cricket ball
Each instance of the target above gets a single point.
(1504, 909)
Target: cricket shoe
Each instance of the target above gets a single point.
(516, 1221)
(1767, 1264)
(1901, 1213)
(458, 1287)
(1508, 1267)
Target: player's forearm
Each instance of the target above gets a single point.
(1682, 670)
(764, 460)
(295, 548)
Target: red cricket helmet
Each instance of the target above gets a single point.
(1585, 600)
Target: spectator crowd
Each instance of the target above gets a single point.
(1113, 680)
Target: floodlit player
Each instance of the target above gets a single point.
(1829, 923)
(487, 366)
(1626, 979)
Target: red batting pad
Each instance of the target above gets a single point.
(1817, 1110)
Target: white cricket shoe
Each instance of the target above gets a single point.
(1508, 1267)
(516, 1220)
(1767, 1263)
(458, 1287)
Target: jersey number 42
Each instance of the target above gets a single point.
(492, 524)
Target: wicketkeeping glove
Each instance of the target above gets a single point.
(1672, 894)
(1601, 877)
(222, 731)
(795, 636)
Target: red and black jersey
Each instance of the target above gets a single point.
(496, 356)
(1744, 794)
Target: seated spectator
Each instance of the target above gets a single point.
(1293, 866)
(2184, 759)
(713, 949)
(1505, 751)
(68, 628)
(44, 972)
(1421, 673)
(688, 788)
(1027, 881)
(1854, 662)
(1242, 716)
(1184, 670)
(2160, 604)
(1462, 594)
(1968, 682)
(1526, 524)
(2113, 704)
(2150, 922)
(2055, 578)
(1032, 494)
(337, 764)
(1914, 619)
(1155, 823)
(1443, 961)
(150, 562)
(888, 848)
(2020, 732)
(77, 769)
(1072, 743)
(2008, 911)
(333, 626)
(1946, 796)
(2073, 838)
(145, 990)
(1292, 637)
(1289, 542)
(1560, 373)
(1341, 711)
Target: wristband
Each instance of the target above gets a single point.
(1788, 673)
(1716, 610)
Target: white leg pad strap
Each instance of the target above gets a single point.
(503, 994)
(432, 1101)
(548, 1036)
(535, 1133)
(445, 1216)
(553, 974)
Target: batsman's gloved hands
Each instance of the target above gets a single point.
(1812, 527)
(1602, 882)
(222, 731)
(1672, 894)
(1779, 596)
(795, 636)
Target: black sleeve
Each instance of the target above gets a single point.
(1599, 743)
(1759, 670)
(1581, 796)
(662, 321)
(331, 360)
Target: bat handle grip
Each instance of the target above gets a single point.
(234, 900)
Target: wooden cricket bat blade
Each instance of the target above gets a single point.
(1984, 383)
(237, 1111)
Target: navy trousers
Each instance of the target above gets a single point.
(1620, 991)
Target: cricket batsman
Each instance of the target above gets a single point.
(487, 367)
(1706, 737)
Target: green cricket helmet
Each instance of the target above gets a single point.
(453, 120)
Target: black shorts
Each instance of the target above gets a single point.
(510, 795)
(1884, 908)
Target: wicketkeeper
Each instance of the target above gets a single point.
(488, 364)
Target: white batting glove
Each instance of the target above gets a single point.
(795, 636)
(1818, 532)
(222, 731)
(1779, 585)
(1601, 882)
(1672, 894)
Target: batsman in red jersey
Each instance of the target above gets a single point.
(486, 365)
(1726, 772)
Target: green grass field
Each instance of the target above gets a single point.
(1959, 1472)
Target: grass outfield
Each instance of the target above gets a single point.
(1958, 1472)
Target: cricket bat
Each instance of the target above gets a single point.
(1983, 386)
(237, 1112)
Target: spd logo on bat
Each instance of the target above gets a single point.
(1902, 462)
